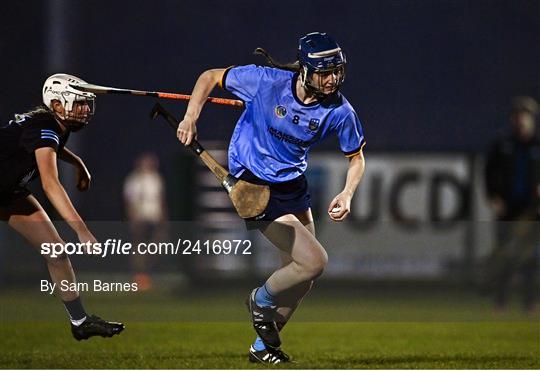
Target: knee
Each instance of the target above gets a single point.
(315, 265)
(56, 258)
(320, 264)
(58, 262)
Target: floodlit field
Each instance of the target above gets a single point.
(210, 330)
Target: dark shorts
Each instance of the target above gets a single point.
(7, 197)
(285, 198)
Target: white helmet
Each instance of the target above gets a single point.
(58, 87)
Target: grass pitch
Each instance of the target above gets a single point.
(210, 330)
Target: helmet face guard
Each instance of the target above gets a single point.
(78, 111)
(79, 107)
(323, 82)
(322, 64)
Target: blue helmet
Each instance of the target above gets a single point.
(319, 54)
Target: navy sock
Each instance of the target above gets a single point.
(76, 312)
(264, 297)
(258, 345)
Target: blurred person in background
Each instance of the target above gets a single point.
(513, 187)
(144, 196)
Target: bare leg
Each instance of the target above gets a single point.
(303, 259)
(29, 219)
(308, 257)
(289, 300)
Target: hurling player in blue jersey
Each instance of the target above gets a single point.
(288, 109)
(30, 145)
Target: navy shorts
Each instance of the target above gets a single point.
(7, 197)
(285, 198)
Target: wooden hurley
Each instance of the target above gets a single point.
(249, 200)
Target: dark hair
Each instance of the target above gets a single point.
(293, 67)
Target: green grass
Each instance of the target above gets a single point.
(314, 345)
(210, 330)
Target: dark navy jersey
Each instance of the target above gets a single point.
(276, 130)
(18, 141)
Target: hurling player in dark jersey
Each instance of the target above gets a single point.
(29, 147)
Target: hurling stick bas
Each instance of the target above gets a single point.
(248, 199)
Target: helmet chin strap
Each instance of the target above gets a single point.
(70, 125)
(312, 90)
(60, 118)
(74, 124)
(317, 93)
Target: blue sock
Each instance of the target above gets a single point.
(264, 297)
(258, 345)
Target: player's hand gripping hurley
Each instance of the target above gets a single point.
(248, 199)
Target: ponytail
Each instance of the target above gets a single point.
(293, 67)
(39, 111)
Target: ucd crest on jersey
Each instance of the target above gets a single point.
(313, 124)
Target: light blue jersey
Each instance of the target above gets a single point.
(276, 130)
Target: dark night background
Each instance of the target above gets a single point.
(422, 75)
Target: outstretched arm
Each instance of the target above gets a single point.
(46, 161)
(340, 206)
(187, 129)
